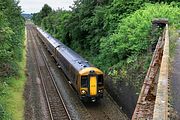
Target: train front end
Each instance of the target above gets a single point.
(91, 84)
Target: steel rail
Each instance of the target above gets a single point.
(52, 78)
(39, 71)
(60, 96)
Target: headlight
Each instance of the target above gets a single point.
(100, 90)
(83, 92)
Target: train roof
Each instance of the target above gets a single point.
(72, 57)
(76, 60)
(52, 40)
(86, 71)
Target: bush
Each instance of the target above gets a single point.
(132, 36)
(11, 45)
(11, 36)
(124, 49)
(112, 34)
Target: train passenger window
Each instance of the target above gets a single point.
(100, 79)
(84, 81)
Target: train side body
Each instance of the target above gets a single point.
(86, 79)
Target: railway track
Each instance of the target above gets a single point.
(100, 111)
(56, 106)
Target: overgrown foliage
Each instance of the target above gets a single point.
(38, 17)
(132, 36)
(55, 23)
(114, 35)
(129, 45)
(87, 23)
(11, 44)
(11, 33)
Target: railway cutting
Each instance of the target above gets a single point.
(54, 96)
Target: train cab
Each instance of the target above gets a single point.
(91, 84)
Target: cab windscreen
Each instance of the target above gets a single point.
(84, 81)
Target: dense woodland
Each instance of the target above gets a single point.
(11, 45)
(114, 35)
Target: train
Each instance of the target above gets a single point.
(87, 80)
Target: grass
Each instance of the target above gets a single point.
(12, 99)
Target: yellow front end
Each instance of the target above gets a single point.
(93, 86)
(90, 84)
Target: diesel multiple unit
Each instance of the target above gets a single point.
(86, 79)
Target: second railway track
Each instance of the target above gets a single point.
(56, 106)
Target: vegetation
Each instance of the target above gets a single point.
(114, 35)
(129, 45)
(27, 16)
(11, 94)
(38, 17)
(11, 45)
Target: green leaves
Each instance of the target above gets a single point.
(11, 37)
(111, 33)
(131, 36)
(127, 48)
(38, 17)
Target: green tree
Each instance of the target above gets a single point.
(110, 33)
(38, 17)
(12, 32)
(46, 10)
(11, 44)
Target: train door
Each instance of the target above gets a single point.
(93, 85)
